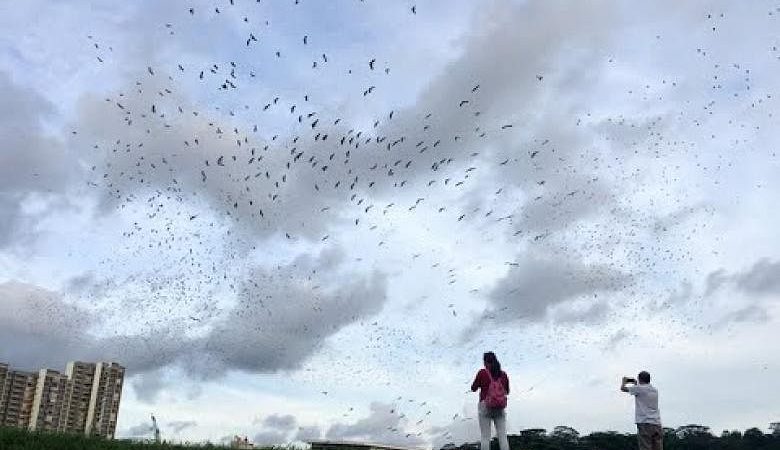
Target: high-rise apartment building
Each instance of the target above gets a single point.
(47, 403)
(16, 397)
(77, 396)
(104, 401)
(85, 399)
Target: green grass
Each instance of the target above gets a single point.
(18, 439)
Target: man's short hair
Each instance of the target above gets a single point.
(644, 377)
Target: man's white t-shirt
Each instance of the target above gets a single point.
(646, 397)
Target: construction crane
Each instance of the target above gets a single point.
(156, 430)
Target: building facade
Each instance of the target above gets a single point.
(104, 401)
(47, 402)
(347, 445)
(84, 399)
(16, 397)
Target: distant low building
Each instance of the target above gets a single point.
(85, 399)
(241, 442)
(464, 446)
(692, 430)
(346, 445)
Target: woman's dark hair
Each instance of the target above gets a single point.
(492, 364)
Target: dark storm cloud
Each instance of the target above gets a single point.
(281, 422)
(284, 314)
(140, 129)
(590, 314)
(31, 161)
(146, 137)
(308, 433)
(281, 317)
(761, 280)
(526, 42)
(563, 185)
(715, 280)
(759, 283)
(10, 213)
(277, 429)
(270, 438)
(381, 425)
(540, 282)
(37, 327)
(202, 158)
(749, 314)
(148, 385)
(545, 154)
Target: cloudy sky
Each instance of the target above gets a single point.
(307, 219)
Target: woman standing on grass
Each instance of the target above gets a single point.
(493, 385)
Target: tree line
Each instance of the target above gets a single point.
(688, 437)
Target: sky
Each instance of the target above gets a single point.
(300, 219)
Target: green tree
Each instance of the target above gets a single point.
(609, 440)
(754, 438)
(565, 438)
(695, 437)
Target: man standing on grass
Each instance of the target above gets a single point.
(648, 419)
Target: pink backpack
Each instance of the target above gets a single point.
(496, 393)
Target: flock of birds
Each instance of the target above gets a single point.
(207, 179)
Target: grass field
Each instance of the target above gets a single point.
(531, 439)
(16, 439)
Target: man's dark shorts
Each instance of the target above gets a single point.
(650, 436)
